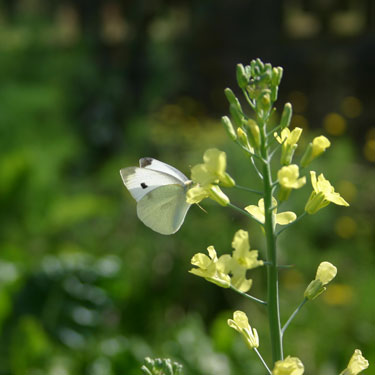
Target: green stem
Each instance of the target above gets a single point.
(293, 315)
(248, 189)
(272, 269)
(249, 296)
(243, 212)
(264, 363)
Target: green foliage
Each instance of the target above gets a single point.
(160, 366)
(85, 288)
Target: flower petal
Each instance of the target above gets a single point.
(285, 218)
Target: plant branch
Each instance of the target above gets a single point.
(248, 189)
(261, 358)
(244, 213)
(293, 315)
(249, 296)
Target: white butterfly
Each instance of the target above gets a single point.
(160, 192)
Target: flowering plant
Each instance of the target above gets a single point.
(261, 142)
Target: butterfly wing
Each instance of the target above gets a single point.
(156, 165)
(164, 209)
(142, 181)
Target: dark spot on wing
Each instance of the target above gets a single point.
(144, 162)
(144, 186)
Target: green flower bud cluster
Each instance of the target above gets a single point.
(160, 366)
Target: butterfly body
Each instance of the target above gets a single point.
(160, 192)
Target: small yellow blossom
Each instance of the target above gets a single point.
(198, 193)
(212, 171)
(242, 260)
(212, 268)
(207, 175)
(288, 178)
(282, 218)
(289, 140)
(326, 273)
(357, 364)
(314, 149)
(241, 324)
(289, 366)
(322, 195)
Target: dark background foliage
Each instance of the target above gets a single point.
(88, 87)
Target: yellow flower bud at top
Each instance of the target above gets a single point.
(289, 366)
(357, 364)
(314, 149)
(241, 324)
(326, 273)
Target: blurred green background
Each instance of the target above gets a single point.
(89, 87)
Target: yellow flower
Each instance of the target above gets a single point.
(314, 149)
(212, 171)
(241, 324)
(198, 193)
(357, 364)
(212, 268)
(258, 213)
(288, 178)
(326, 273)
(242, 260)
(206, 176)
(322, 195)
(289, 366)
(289, 140)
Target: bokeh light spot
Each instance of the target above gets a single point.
(369, 150)
(334, 124)
(348, 190)
(345, 227)
(351, 107)
(338, 294)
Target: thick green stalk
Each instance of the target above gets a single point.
(272, 271)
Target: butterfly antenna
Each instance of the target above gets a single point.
(202, 208)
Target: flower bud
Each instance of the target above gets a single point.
(277, 74)
(314, 149)
(236, 114)
(325, 273)
(242, 77)
(286, 116)
(217, 195)
(242, 138)
(253, 133)
(229, 127)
